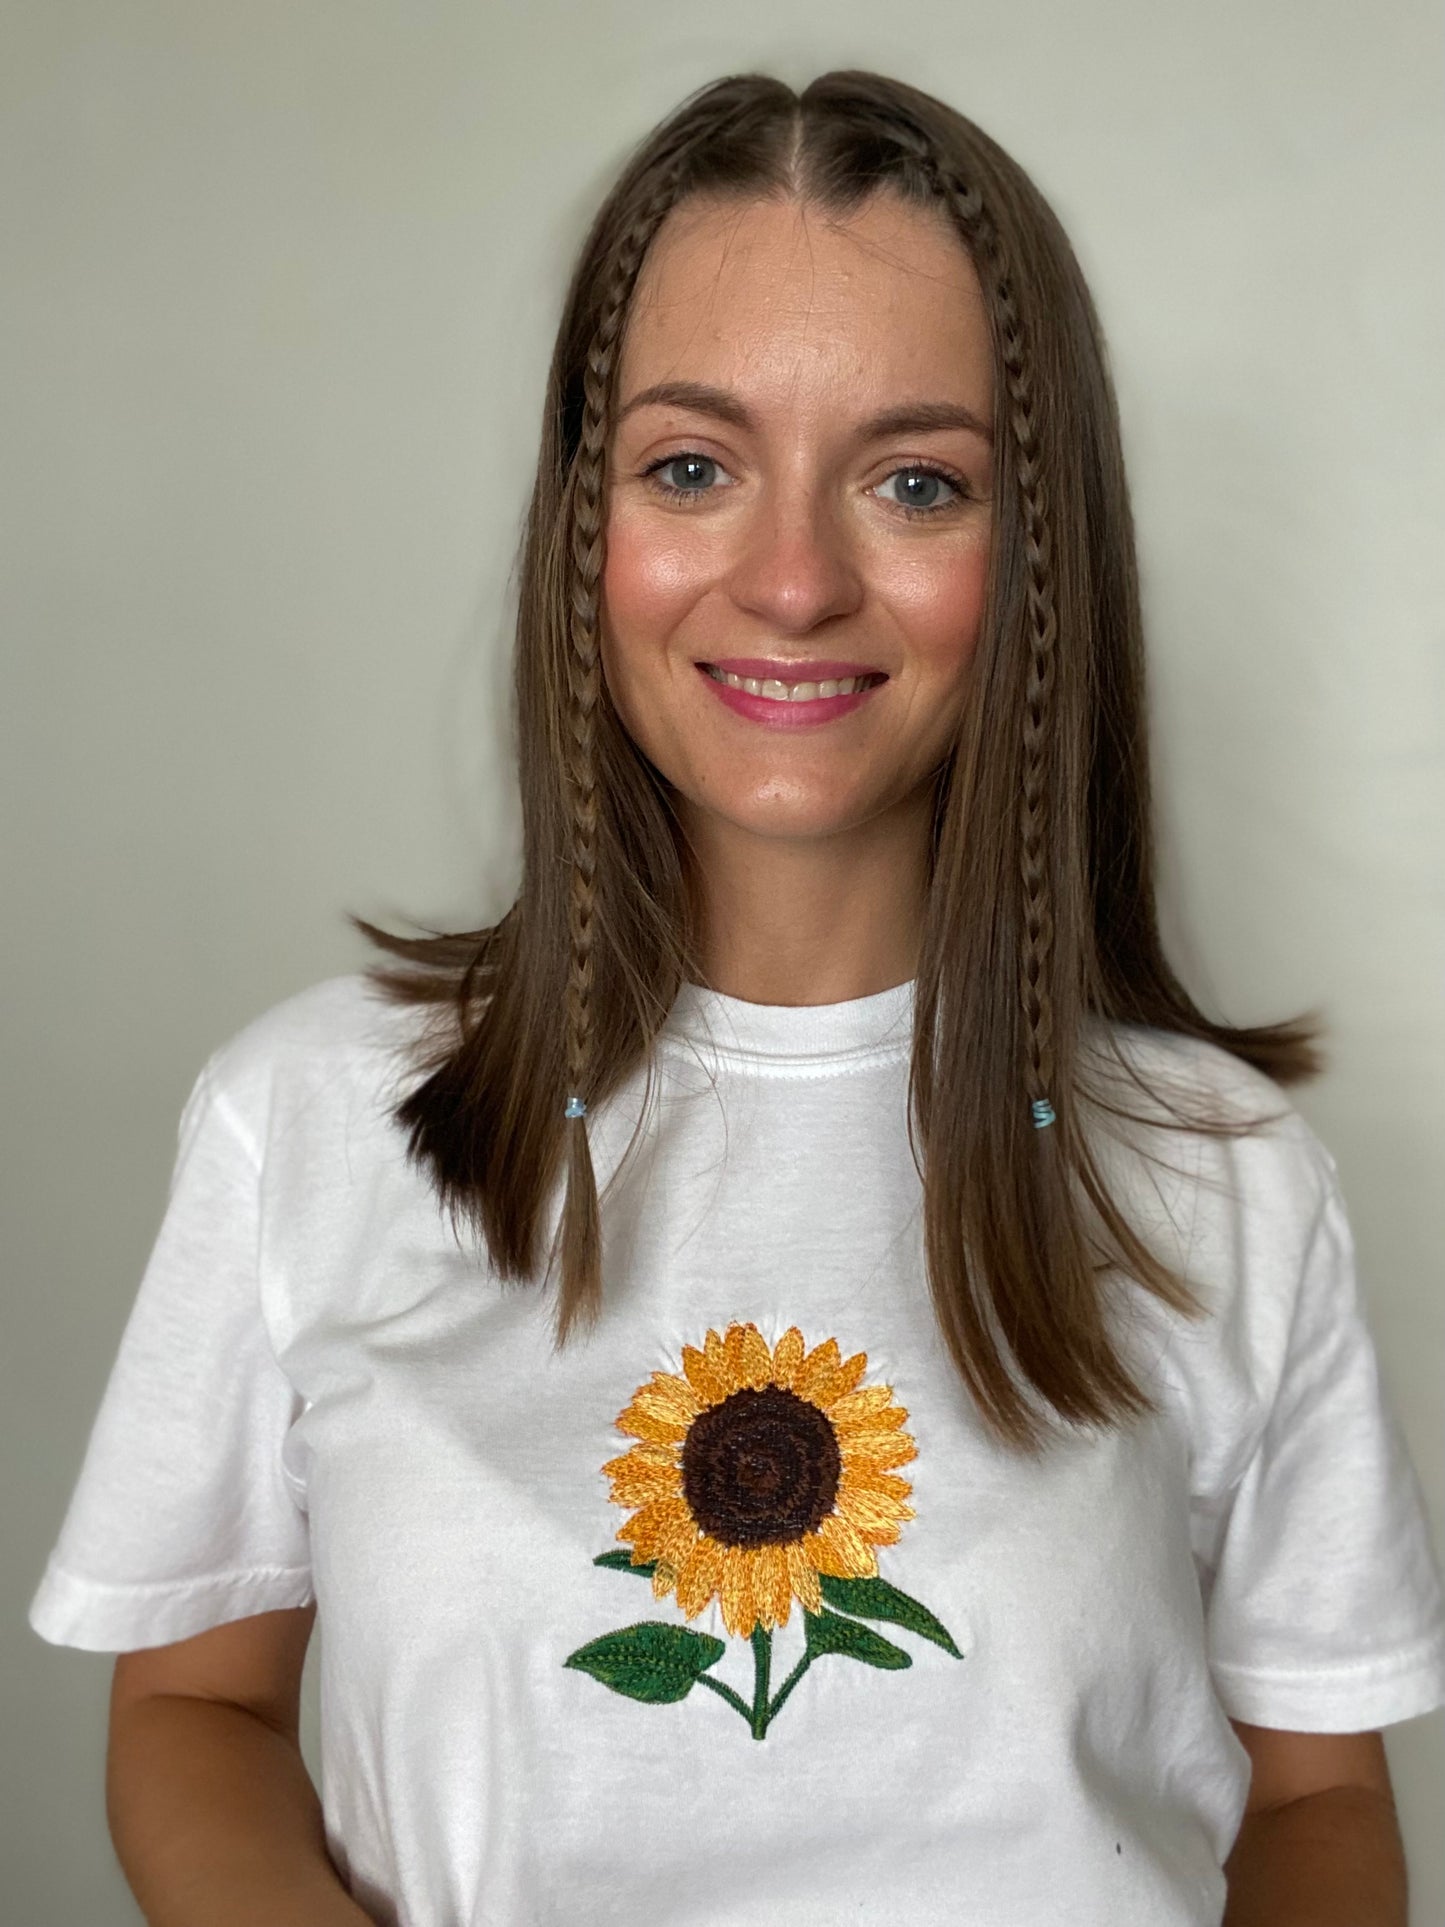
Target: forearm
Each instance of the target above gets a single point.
(1334, 1859)
(215, 1820)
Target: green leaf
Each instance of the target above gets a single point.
(622, 1562)
(652, 1661)
(830, 1633)
(876, 1599)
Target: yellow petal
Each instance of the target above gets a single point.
(872, 1516)
(637, 1482)
(700, 1577)
(640, 1423)
(877, 1450)
(749, 1361)
(872, 1400)
(863, 1478)
(715, 1352)
(738, 1611)
(886, 1420)
(787, 1356)
(817, 1368)
(664, 1529)
(711, 1387)
(772, 1585)
(664, 1578)
(803, 1577)
(835, 1548)
(757, 1358)
(842, 1381)
(645, 1454)
(670, 1396)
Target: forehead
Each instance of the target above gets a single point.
(783, 297)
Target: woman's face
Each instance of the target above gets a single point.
(799, 494)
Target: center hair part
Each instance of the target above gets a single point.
(761, 1468)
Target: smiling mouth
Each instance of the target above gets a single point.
(794, 692)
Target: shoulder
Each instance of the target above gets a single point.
(1189, 1091)
(341, 1042)
(1221, 1172)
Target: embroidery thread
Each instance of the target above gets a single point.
(760, 1476)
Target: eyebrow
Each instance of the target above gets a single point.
(908, 418)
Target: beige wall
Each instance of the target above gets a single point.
(278, 287)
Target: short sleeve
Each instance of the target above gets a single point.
(1325, 1609)
(182, 1517)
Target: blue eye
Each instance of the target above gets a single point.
(922, 490)
(685, 474)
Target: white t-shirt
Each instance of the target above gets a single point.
(1017, 1703)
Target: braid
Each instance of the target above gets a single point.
(967, 207)
(581, 1226)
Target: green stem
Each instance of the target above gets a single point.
(762, 1640)
(788, 1684)
(727, 1693)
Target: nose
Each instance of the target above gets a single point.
(795, 567)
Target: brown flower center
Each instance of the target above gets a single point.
(760, 1469)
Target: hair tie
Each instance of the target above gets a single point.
(575, 1107)
(1043, 1113)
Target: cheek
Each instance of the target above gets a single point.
(649, 581)
(937, 601)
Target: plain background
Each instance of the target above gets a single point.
(280, 282)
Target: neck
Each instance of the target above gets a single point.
(811, 920)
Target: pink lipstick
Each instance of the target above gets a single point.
(775, 708)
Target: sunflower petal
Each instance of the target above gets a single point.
(817, 1368)
(639, 1482)
(871, 1515)
(771, 1585)
(803, 1577)
(864, 1478)
(671, 1395)
(641, 1423)
(842, 1381)
(871, 1400)
(835, 1548)
(750, 1363)
(787, 1356)
(757, 1358)
(710, 1386)
(886, 1420)
(738, 1610)
(715, 1352)
(664, 1529)
(878, 1451)
(664, 1578)
(700, 1576)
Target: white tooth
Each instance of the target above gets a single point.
(751, 684)
(802, 692)
(771, 687)
(828, 687)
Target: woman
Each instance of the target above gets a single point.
(967, 1353)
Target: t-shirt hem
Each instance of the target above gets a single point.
(101, 1617)
(1354, 1699)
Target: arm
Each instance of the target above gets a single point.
(212, 1813)
(1319, 1845)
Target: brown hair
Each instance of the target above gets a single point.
(1041, 910)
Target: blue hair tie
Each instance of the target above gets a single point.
(575, 1107)
(1043, 1113)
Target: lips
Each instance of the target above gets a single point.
(770, 669)
(780, 711)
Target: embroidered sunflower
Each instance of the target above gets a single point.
(757, 1472)
(759, 1476)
